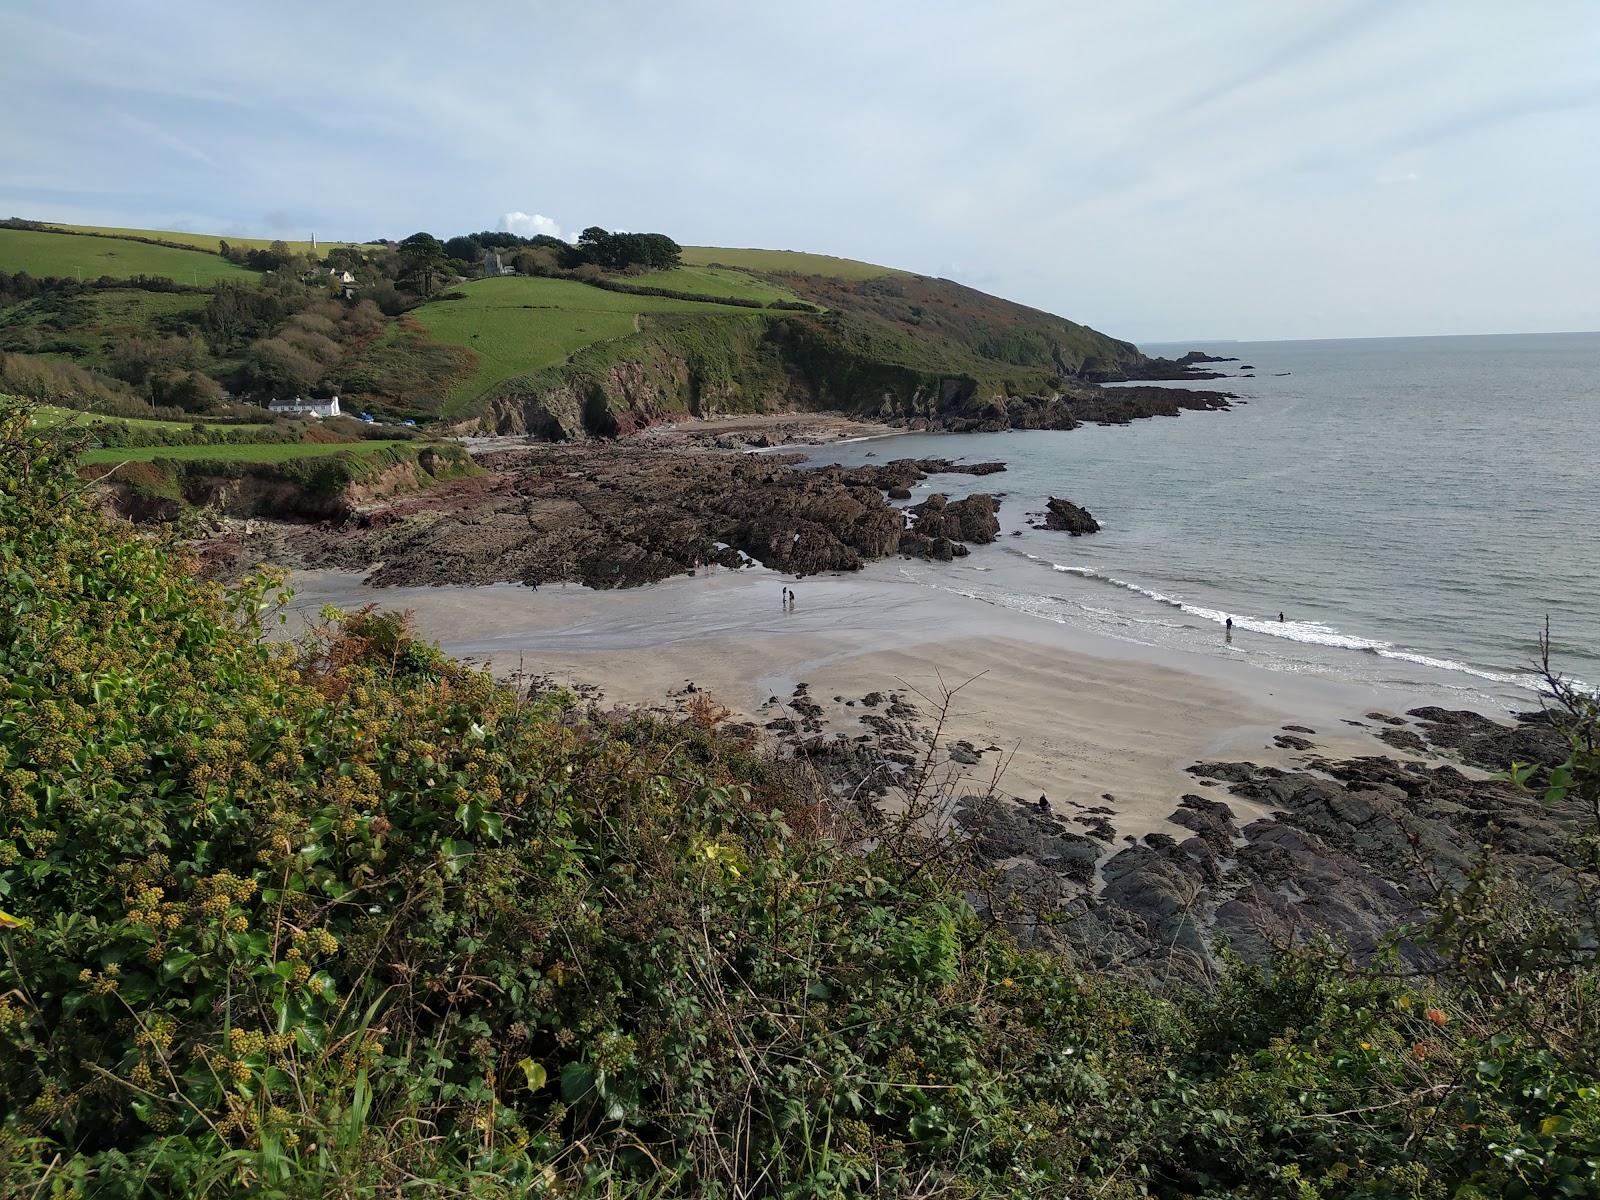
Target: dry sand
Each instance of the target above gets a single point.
(1070, 715)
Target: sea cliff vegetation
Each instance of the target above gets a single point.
(338, 916)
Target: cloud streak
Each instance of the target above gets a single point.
(1157, 170)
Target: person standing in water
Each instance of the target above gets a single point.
(1280, 618)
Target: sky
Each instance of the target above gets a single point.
(1159, 170)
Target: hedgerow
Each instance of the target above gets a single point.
(340, 916)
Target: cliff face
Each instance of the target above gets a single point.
(866, 364)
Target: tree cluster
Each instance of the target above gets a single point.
(620, 251)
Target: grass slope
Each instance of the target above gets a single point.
(246, 452)
(714, 281)
(68, 255)
(793, 262)
(201, 241)
(520, 325)
(48, 416)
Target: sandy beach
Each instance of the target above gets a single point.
(1083, 719)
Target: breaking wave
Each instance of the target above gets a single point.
(1312, 633)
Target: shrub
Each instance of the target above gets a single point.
(343, 916)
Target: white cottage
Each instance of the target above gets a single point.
(306, 408)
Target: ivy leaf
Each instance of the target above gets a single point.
(535, 1072)
(577, 1081)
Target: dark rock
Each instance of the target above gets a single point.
(1067, 516)
(1403, 739)
(1491, 744)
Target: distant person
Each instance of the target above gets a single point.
(1280, 618)
(1044, 804)
(1229, 624)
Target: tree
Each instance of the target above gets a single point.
(186, 389)
(464, 249)
(619, 251)
(422, 260)
(345, 258)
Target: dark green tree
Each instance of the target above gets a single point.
(422, 261)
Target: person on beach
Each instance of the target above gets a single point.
(1229, 624)
(1280, 618)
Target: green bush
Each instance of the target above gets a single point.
(341, 916)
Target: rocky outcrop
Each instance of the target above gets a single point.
(939, 526)
(624, 514)
(1067, 517)
(1352, 850)
(1189, 366)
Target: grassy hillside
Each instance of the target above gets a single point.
(714, 281)
(49, 417)
(519, 326)
(867, 339)
(784, 262)
(89, 327)
(69, 255)
(244, 452)
(201, 241)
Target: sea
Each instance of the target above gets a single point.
(1417, 509)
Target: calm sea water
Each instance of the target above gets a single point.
(1415, 507)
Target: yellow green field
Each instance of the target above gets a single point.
(251, 452)
(201, 241)
(70, 256)
(47, 416)
(518, 325)
(713, 281)
(784, 260)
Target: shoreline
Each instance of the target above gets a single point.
(1104, 728)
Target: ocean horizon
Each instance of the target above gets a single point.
(1415, 508)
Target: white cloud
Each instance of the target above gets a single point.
(530, 225)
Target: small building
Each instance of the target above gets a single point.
(338, 276)
(492, 266)
(306, 408)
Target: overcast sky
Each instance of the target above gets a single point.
(1161, 170)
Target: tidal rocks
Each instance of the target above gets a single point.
(615, 515)
(1350, 849)
(1489, 744)
(971, 520)
(1069, 518)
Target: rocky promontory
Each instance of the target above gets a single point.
(620, 514)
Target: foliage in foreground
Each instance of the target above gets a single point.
(347, 918)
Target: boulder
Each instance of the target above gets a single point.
(1068, 517)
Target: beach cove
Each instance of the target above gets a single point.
(1087, 720)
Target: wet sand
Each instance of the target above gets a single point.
(1072, 715)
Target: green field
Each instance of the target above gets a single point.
(251, 452)
(69, 256)
(201, 241)
(785, 260)
(519, 325)
(47, 416)
(712, 281)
